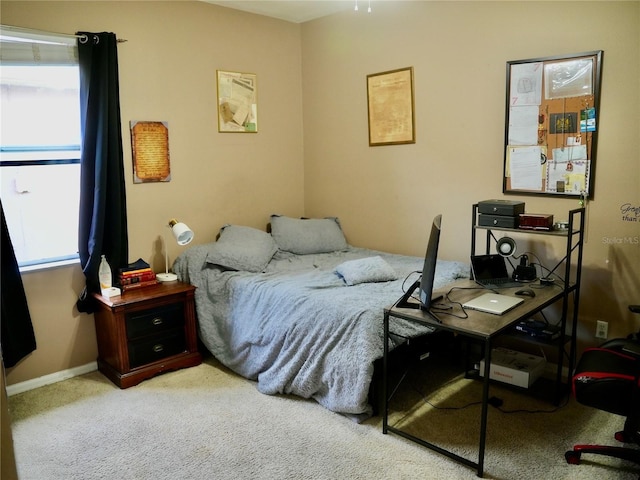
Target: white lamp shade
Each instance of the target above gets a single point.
(506, 246)
(183, 234)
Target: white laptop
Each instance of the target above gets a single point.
(493, 303)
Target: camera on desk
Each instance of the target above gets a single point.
(524, 272)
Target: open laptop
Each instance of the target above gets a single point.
(490, 271)
(493, 303)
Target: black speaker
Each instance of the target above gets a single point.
(506, 246)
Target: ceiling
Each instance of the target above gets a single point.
(297, 11)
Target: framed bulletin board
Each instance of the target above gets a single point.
(551, 127)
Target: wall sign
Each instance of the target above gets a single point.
(150, 148)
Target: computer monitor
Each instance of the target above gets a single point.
(425, 284)
(429, 267)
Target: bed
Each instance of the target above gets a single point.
(298, 309)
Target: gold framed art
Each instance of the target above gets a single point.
(390, 105)
(237, 102)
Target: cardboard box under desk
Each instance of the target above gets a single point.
(514, 368)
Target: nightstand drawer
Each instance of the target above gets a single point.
(156, 348)
(155, 320)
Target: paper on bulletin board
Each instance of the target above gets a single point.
(568, 177)
(526, 84)
(569, 154)
(569, 78)
(525, 168)
(588, 120)
(523, 125)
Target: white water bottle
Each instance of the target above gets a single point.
(104, 274)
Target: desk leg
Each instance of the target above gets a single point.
(385, 366)
(485, 406)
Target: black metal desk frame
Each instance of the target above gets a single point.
(479, 326)
(571, 264)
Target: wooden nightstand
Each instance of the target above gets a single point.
(146, 331)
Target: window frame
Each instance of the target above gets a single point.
(36, 48)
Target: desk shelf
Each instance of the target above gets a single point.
(571, 267)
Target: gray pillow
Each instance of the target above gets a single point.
(365, 270)
(307, 236)
(242, 248)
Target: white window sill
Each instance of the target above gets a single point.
(48, 266)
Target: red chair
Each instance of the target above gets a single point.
(608, 378)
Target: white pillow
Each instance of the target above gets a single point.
(242, 248)
(364, 270)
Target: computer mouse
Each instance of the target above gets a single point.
(526, 292)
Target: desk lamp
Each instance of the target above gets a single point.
(183, 236)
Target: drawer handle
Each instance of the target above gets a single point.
(158, 348)
(157, 321)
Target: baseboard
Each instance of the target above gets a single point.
(549, 372)
(51, 378)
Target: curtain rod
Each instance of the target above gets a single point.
(30, 31)
(83, 38)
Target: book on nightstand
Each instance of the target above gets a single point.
(145, 283)
(136, 275)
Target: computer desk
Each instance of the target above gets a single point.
(484, 327)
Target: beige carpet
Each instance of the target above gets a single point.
(207, 423)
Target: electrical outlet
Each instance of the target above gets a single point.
(602, 329)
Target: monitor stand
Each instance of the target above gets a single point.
(405, 303)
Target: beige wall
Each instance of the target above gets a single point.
(167, 72)
(385, 196)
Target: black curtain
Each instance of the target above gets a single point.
(18, 339)
(103, 205)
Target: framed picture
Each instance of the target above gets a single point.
(150, 149)
(390, 105)
(237, 102)
(551, 127)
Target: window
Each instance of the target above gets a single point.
(40, 145)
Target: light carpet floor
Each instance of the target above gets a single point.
(206, 422)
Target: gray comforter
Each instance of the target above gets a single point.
(298, 328)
